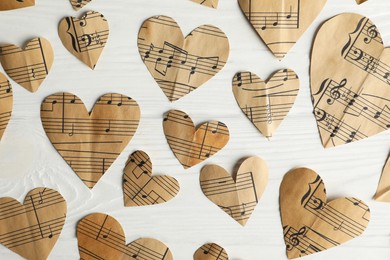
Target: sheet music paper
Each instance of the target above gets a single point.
(6, 5)
(208, 3)
(140, 188)
(383, 190)
(90, 142)
(237, 196)
(78, 4)
(211, 251)
(360, 1)
(180, 65)
(86, 37)
(6, 103)
(280, 23)
(100, 236)
(29, 66)
(351, 99)
(193, 145)
(32, 229)
(310, 223)
(266, 104)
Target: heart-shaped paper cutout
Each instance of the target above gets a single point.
(280, 23)
(86, 37)
(90, 141)
(266, 104)
(211, 251)
(78, 4)
(360, 1)
(180, 65)
(237, 196)
(15, 4)
(310, 223)
(140, 188)
(29, 66)
(208, 3)
(6, 103)
(32, 229)
(350, 80)
(100, 236)
(190, 145)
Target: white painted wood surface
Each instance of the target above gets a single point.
(28, 160)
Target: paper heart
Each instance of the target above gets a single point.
(32, 229)
(280, 23)
(310, 223)
(190, 145)
(180, 65)
(350, 80)
(266, 104)
(90, 142)
(236, 196)
(6, 103)
(140, 188)
(78, 4)
(29, 66)
(100, 236)
(86, 37)
(15, 4)
(360, 1)
(208, 3)
(383, 191)
(211, 251)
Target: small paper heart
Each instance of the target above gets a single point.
(32, 229)
(6, 5)
(6, 104)
(312, 224)
(140, 188)
(266, 104)
(211, 251)
(29, 66)
(78, 4)
(190, 145)
(86, 37)
(208, 3)
(237, 196)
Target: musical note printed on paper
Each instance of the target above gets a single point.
(236, 196)
(180, 65)
(32, 229)
(190, 145)
(383, 190)
(280, 23)
(208, 3)
(86, 37)
(211, 251)
(29, 66)
(6, 103)
(6, 5)
(312, 224)
(89, 142)
(352, 98)
(266, 104)
(100, 236)
(78, 4)
(140, 188)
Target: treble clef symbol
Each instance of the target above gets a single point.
(335, 92)
(294, 238)
(372, 33)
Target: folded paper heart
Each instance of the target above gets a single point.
(78, 4)
(6, 103)
(29, 66)
(211, 251)
(280, 23)
(180, 65)
(237, 196)
(190, 145)
(6, 5)
(351, 98)
(140, 188)
(208, 3)
(90, 142)
(266, 104)
(86, 37)
(32, 229)
(310, 223)
(100, 236)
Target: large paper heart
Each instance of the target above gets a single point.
(180, 65)
(237, 196)
(15, 4)
(211, 251)
(6, 103)
(140, 188)
(78, 4)
(280, 23)
(350, 80)
(32, 229)
(266, 104)
(310, 223)
(208, 3)
(29, 66)
(100, 236)
(190, 145)
(90, 142)
(86, 37)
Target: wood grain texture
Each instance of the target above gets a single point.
(28, 159)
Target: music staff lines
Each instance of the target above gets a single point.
(240, 212)
(267, 113)
(5, 89)
(226, 184)
(164, 21)
(274, 20)
(246, 78)
(176, 89)
(12, 49)
(214, 250)
(209, 30)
